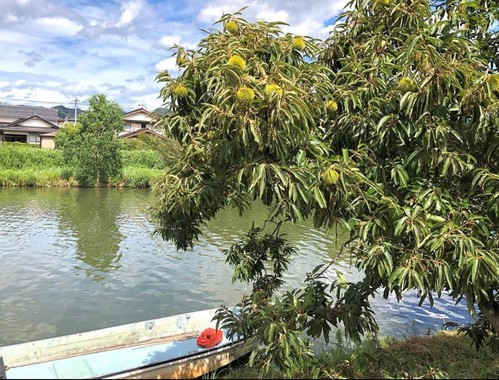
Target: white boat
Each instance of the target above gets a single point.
(157, 348)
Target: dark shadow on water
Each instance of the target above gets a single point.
(91, 216)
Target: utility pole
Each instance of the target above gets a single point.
(76, 107)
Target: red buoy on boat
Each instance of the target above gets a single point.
(209, 338)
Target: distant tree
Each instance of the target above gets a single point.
(65, 112)
(388, 131)
(67, 140)
(162, 111)
(92, 146)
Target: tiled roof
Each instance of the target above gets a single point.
(23, 128)
(138, 110)
(22, 112)
(139, 131)
(49, 134)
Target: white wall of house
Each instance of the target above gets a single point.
(135, 121)
(132, 127)
(34, 122)
(48, 142)
(138, 117)
(31, 122)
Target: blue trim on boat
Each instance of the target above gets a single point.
(111, 362)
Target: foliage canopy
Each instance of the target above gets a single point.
(92, 145)
(387, 131)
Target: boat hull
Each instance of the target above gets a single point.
(159, 348)
(190, 367)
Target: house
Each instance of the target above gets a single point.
(28, 124)
(47, 140)
(138, 119)
(39, 125)
(148, 131)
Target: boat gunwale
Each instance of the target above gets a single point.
(152, 341)
(209, 352)
(27, 353)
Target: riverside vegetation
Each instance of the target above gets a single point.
(144, 160)
(89, 153)
(387, 132)
(439, 356)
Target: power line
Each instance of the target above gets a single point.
(34, 101)
(82, 102)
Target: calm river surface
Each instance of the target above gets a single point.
(74, 260)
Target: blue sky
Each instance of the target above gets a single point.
(55, 51)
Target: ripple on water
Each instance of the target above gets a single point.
(81, 259)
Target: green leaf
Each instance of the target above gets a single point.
(341, 278)
(474, 269)
(319, 197)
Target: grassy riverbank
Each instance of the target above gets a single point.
(443, 355)
(28, 165)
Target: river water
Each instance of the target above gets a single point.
(74, 260)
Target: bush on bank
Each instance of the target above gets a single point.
(22, 156)
(28, 165)
(137, 177)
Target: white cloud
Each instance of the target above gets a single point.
(150, 101)
(166, 64)
(129, 12)
(25, 10)
(58, 26)
(137, 87)
(56, 50)
(210, 14)
(36, 94)
(82, 86)
(271, 15)
(16, 38)
(168, 41)
(10, 18)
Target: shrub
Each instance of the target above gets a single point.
(35, 177)
(143, 158)
(21, 155)
(133, 144)
(134, 177)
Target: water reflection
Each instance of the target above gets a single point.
(90, 216)
(74, 260)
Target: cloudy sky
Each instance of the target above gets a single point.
(56, 51)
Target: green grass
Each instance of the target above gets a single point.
(22, 156)
(142, 158)
(29, 165)
(446, 352)
(37, 177)
(137, 177)
(443, 355)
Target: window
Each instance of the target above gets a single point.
(16, 138)
(143, 125)
(128, 127)
(34, 138)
